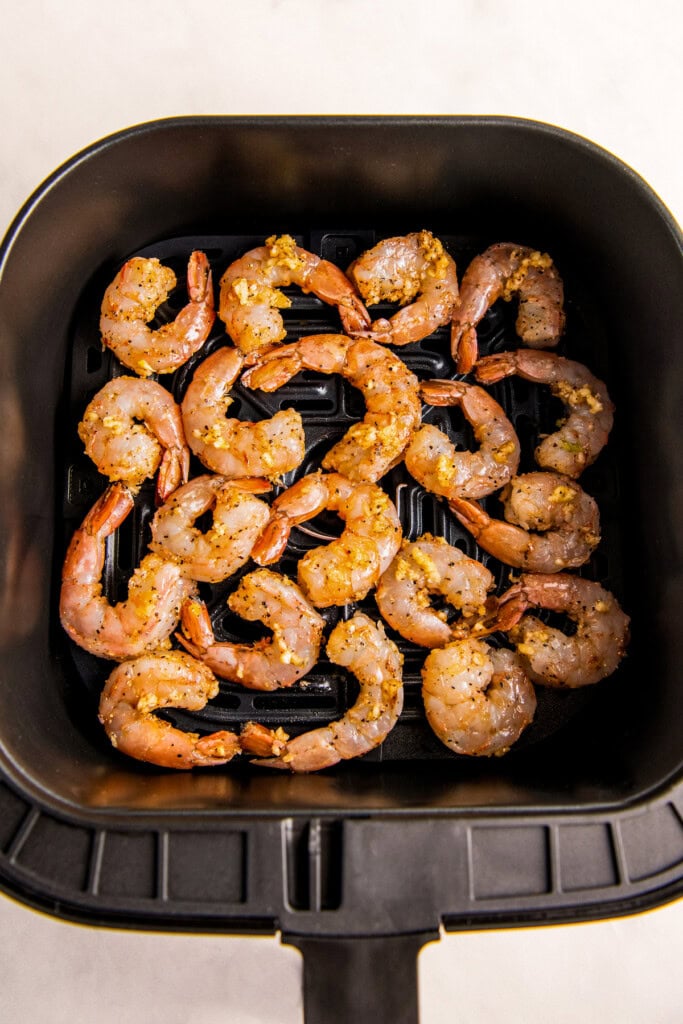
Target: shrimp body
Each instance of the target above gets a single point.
(430, 566)
(590, 412)
(361, 646)
(499, 273)
(250, 299)
(370, 448)
(171, 679)
(133, 427)
(414, 270)
(156, 591)
(276, 601)
(234, 448)
(478, 700)
(431, 456)
(566, 519)
(131, 301)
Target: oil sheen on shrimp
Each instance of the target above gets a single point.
(231, 447)
(276, 601)
(170, 679)
(370, 448)
(131, 301)
(414, 270)
(361, 646)
(478, 700)
(250, 296)
(500, 272)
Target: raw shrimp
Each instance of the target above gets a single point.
(477, 699)
(130, 429)
(370, 448)
(431, 456)
(276, 601)
(497, 274)
(143, 622)
(363, 647)
(231, 447)
(548, 655)
(250, 299)
(566, 518)
(171, 679)
(350, 566)
(131, 301)
(414, 270)
(590, 413)
(431, 566)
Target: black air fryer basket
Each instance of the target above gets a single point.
(360, 865)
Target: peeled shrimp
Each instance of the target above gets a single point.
(414, 270)
(231, 447)
(430, 566)
(250, 299)
(584, 433)
(277, 602)
(131, 301)
(370, 448)
(363, 647)
(171, 679)
(477, 699)
(350, 566)
(431, 456)
(566, 518)
(130, 429)
(497, 274)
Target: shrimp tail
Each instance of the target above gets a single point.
(263, 742)
(199, 279)
(219, 746)
(271, 544)
(354, 317)
(197, 635)
(174, 470)
(464, 348)
(493, 368)
(272, 372)
(109, 511)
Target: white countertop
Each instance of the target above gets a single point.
(610, 71)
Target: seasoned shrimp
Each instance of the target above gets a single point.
(549, 656)
(250, 299)
(566, 518)
(231, 447)
(431, 566)
(478, 700)
(370, 448)
(171, 679)
(497, 274)
(130, 429)
(276, 601)
(363, 647)
(143, 622)
(350, 566)
(131, 301)
(431, 456)
(590, 412)
(238, 519)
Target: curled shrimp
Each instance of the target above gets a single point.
(250, 298)
(497, 274)
(430, 566)
(238, 517)
(156, 591)
(431, 456)
(590, 412)
(414, 270)
(133, 427)
(234, 448)
(566, 519)
(548, 655)
(370, 448)
(350, 566)
(171, 679)
(131, 301)
(361, 646)
(276, 601)
(478, 700)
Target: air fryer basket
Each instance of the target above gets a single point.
(363, 862)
